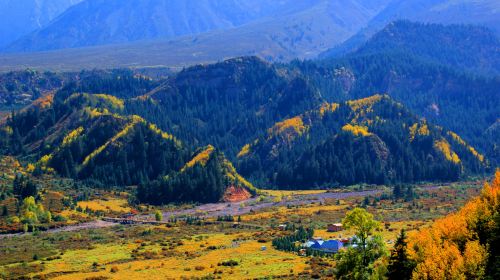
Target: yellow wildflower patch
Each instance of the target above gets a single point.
(253, 262)
(291, 193)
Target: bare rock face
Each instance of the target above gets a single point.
(379, 148)
(236, 194)
(345, 77)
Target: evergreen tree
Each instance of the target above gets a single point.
(400, 266)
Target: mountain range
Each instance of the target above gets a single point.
(177, 138)
(100, 22)
(482, 13)
(21, 17)
(177, 33)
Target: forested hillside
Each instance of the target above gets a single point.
(373, 140)
(84, 136)
(207, 177)
(87, 137)
(225, 104)
(18, 89)
(273, 29)
(436, 81)
(277, 121)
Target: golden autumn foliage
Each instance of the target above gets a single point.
(328, 108)
(471, 149)
(229, 170)
(7, 129)
(45, 159)
(163, 134)
(106, 100)
(419, 129)
(365, 104)
(234, 176)
(44, 101)
(356, 130)
(361, 107)
(115, 101)
(244, 151)
(134, 121)
(72, 136)
(450, 248)
(288, 129)
(201, 157)
(444, 147)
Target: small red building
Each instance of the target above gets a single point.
(335, 227)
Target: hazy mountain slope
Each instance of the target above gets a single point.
(477, 12)
(462, 46)
(98, 22)
(371, 140)
(298, 29)
(20, 17)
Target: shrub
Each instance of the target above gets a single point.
(229, 263)
(59, 218)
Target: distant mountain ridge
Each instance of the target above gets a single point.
(276, 30)
(101, 22)
(20, 17)
(469, 47)
(483, 13)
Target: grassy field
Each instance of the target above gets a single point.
(109, 205)
(179, 250)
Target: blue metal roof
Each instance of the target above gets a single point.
(331, 246)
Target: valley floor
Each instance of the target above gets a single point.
(199, 242)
